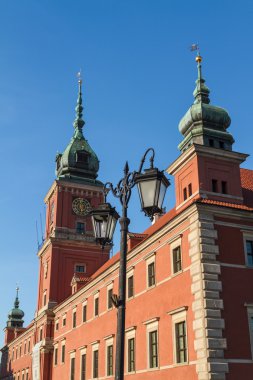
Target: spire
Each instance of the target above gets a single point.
(16, 303)
(79, 122)
(201, 92)
(15, 316)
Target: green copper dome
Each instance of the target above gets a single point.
(205, 123)
(78, 161)
(15, 316)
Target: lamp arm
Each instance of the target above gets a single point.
(144, 158)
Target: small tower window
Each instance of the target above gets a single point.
(211, 142)
(80, 228)
(190, 189)
(185, 193)
(222, 145)
(224, 187)
(215, 185)
(80, 268)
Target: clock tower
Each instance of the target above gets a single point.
(69, 247)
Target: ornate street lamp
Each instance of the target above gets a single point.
(152, 185)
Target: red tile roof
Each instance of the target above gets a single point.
(224, 204)
(247, 186)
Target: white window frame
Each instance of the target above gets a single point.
(109, 341)
(130, 273)
(247, 236)
(56, 347)
(83, 351)
(71, 356)
(64, 317)
(151, 326)
(96, 296)
(74, 311)
(109, 287)
(174, 244)
(63, 343)
(81, 265)
(177, 317)
(130, 333)
(95, 347)
(84, 304)
(150, 258)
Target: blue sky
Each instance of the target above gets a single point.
(138, 81)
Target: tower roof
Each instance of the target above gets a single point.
(15, 316)
(203, 121)
(78, 162)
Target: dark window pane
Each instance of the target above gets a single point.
(83, 367)
(153, 350)
(130, 283)
(80, 268)
(249, 246)
(190, 189)
(74, 320)
(80, 228)
(215, 185)
(95, 364)
(224, 187)
(151, 274)
(109, 300)
(84, 313)
(131, 355)
(55, 356)
(211, 142)
(96, 307)
(185, 193)
(177, 262)
(63, 354)
(72, 369)
(181, 350)
(109, 360)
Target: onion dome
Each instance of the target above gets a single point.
(15, 316)
(205, 123)
(78, 162)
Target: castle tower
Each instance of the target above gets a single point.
(69, 247)
(207, 167)
(15, 321)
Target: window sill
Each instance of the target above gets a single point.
(176, 273)
(151, 287)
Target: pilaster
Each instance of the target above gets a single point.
(206, 287)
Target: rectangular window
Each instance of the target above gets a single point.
(181, 349)
(72, 369)
(20, 350)
(211, 142)
(215, 185)
(23, 376)
(80, 268)
(96, 306)
(41, 333)
(177, 263)
(25, 349)
(64, 321)
(80, 228)
(151, 274)
(74, 320)
(57, 326)
(153, 349)
(29, 346)
(249, 247)
(221, 144)
(83, 367)
(109, 360)
(44, 299)
(224, 187)
(131, 355)
(95, 364)
(27, 376)
(130, 286)
(63, 353)
(185, 193)
(109, 299)
(190, 189)
(84, 313)
(55, 356)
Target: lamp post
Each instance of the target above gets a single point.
(152, 185)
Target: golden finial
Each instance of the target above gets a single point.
(198, 58)
(79, 76)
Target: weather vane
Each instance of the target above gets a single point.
(195, 47)
(79, 76)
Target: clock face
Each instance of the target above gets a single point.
(81, 206)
